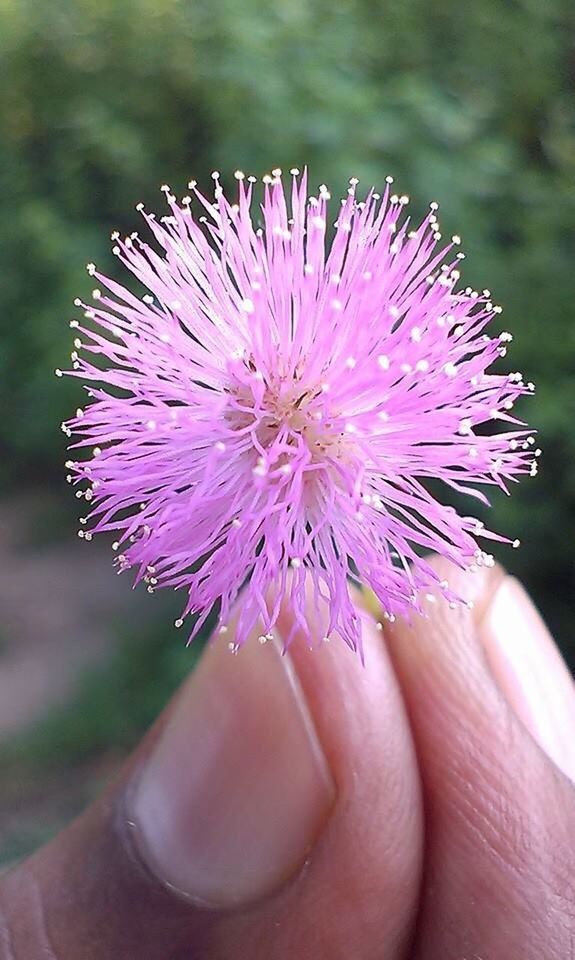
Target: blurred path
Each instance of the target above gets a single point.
(58, 604)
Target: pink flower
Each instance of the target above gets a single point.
(270, 412)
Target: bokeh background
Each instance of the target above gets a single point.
(470, 104)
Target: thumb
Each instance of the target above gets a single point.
(249, 775)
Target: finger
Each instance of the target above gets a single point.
(492, 710)
(274, 812)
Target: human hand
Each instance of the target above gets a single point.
(421, 808)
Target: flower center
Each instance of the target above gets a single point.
(288, 420)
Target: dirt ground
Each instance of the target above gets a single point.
(59, 600)
(57, 604)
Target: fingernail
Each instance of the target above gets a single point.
(237, 790)
(530, 671)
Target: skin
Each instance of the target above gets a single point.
(451, 835)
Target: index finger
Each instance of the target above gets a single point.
(500, 816)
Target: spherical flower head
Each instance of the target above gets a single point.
(267, 416)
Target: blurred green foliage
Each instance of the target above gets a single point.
(469, 104)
